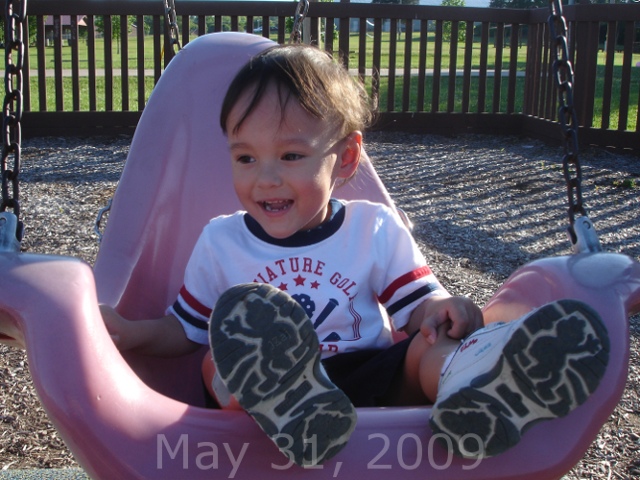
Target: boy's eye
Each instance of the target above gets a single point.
(292, 156)
(245, 159)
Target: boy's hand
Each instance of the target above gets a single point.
(465, 317)
(117, 326)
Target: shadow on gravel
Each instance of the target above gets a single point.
(50, 160)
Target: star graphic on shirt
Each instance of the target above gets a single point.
(299, 280)
(283, 287)
(315, 285)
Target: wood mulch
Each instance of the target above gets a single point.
(481, 206)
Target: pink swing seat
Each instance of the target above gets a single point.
(141, 417)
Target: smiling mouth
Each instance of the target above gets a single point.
(276, 206)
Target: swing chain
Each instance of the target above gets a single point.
(172, 21)
(581, 234)
(15, 28)
(301, 13)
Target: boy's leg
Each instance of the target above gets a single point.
(506, 377)
(266, 352)
(217, 393)
(421, 370)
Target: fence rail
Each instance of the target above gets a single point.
(92, 64)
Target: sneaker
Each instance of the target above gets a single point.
(267, 354)
(506, 377)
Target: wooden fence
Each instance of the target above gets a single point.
(91, 64)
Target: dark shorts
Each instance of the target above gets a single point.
(368, 377)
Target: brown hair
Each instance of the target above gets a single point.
(323, 87)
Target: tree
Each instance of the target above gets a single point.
(446, 26)
(31, 25)
(544, 3)
(115, 25)
(519, 3)
(398, 2)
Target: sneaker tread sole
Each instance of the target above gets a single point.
(267, 353)
(549, 366)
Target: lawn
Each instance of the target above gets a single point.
(429, 60)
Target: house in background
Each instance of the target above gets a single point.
(65, 24)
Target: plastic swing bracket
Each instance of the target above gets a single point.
(8, 229)
(583, 236)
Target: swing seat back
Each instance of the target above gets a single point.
(176, 178)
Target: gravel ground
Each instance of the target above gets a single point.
(481, 205)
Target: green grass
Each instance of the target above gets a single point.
(614, 117)
(429, 59)
(132, 54)
(627, 183)
(445, 58)
(84, 96)
(472, 95)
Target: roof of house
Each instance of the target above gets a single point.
(65, 20)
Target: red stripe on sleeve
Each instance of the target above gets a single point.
(402, 281)
(193, 303)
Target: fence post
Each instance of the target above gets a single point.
(586, 60)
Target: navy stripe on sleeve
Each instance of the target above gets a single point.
(412, 297)
(190, 319)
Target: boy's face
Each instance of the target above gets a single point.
(285, 167)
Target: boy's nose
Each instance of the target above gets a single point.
(269, 175)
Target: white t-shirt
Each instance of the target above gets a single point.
(350, 274)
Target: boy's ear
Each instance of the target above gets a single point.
(350, 154)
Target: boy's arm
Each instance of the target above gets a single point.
(465, 317)
(161, 337)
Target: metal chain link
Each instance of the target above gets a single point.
(15, 28)
(172, 21)
(582, 234)
(301, 13)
